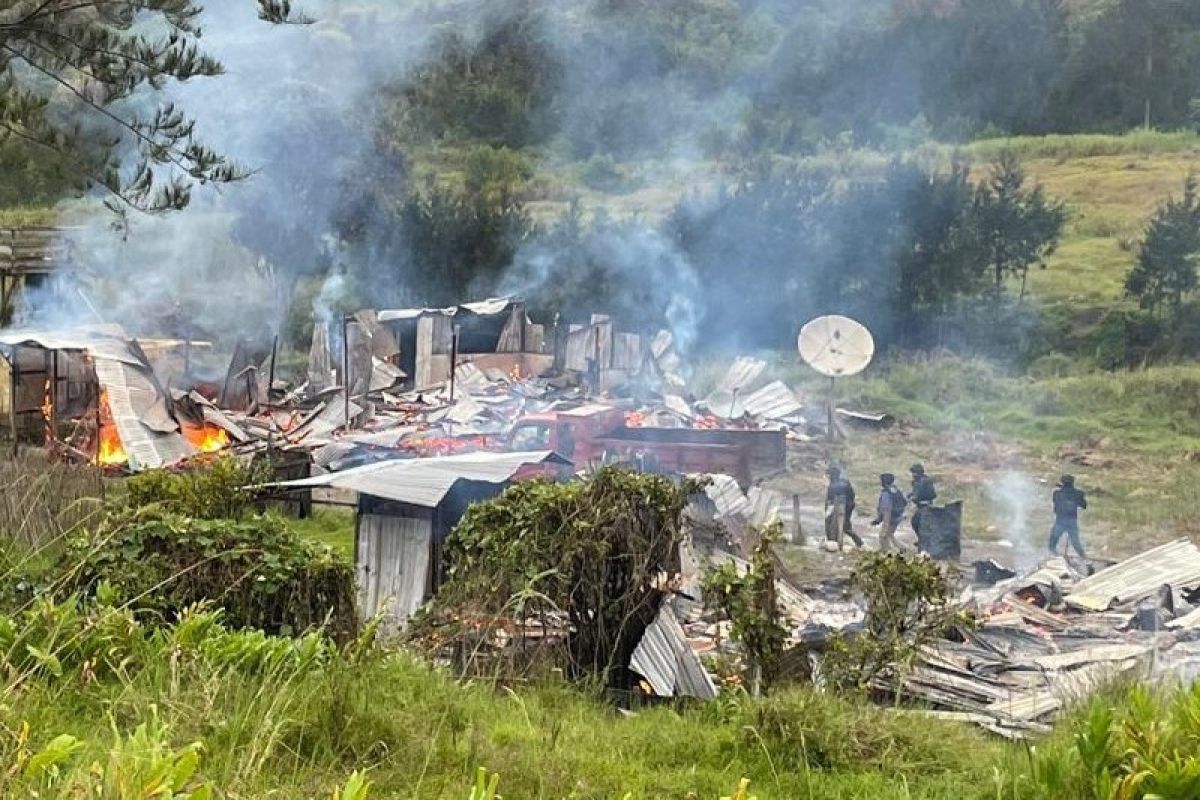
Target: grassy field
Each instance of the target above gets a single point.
(101, 704)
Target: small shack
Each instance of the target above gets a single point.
(494, 334)
(406, 509)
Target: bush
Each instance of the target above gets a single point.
(215, 492)
(907, 606)
(592, 551)
(255, 569)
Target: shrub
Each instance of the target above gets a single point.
(255, 569)
(747, 599)
(907, 604)
(593, 551)
(1144, 747)
(602, 173)
(217, 491)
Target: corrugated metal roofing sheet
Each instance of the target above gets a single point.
(773, 401)
(132, 399)
(666, 660)
(1175, 564)
(727, 496)
(765, 505)
(743, 372)
(484, 308)
(101, 341)
(425, 481)
(148, 433)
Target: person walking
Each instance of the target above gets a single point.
(922, 497)
(889, 511)
(1067, 501)
(839, 506)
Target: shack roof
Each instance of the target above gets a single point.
(425, 482)
(483, 308)
(99, 341)
(140, 409)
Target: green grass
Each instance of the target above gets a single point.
(1074, 146)
(27, 216)
(418, 734)
(98, 705)
(328, 525)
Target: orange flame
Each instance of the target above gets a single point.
(444, 445)
(706, 423)
(205, 438)
(635, 419)
(47, 408)
(109, 451)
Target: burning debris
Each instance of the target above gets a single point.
(400, 384)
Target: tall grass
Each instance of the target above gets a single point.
(1068, 146)
(96, 702)
(97, 705)
(41, 502)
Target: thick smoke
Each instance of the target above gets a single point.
(1010, 497)
(645, 279)
(291, 108)
(299, 104)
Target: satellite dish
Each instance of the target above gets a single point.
(836, 346)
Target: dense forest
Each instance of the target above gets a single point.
(401, 147)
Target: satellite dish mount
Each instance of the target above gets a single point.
(836, 347)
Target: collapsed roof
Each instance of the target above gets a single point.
(140, 411)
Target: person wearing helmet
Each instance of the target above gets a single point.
(922, 496)
(1067, 501)
(839, 506)
(889, 511)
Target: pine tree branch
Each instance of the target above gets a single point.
(174, 156)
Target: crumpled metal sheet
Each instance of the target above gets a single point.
(742, 373)
(667, 662)
(131, 395)
(1175, 564)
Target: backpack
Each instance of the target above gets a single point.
(899, 502)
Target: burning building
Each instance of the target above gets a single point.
(90, 394)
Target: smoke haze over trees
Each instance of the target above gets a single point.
(395, 147)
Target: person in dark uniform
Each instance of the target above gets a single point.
(1067, 501)
(839, 506)
(922, 496)
(889, 511)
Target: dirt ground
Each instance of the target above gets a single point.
(1005, 491)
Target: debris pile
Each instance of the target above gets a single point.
(1051, 637)
(95, 395)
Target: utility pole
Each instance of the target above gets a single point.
(1149, 74)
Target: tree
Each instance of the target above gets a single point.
(1166, 267)
(72, 73)
(1014, 228)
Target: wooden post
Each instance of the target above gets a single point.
(346, 369)
(798, 530)
(270, 406)
(832, 385)
(53, 421)
(99, 423)
(453, 359)
(14, 380)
